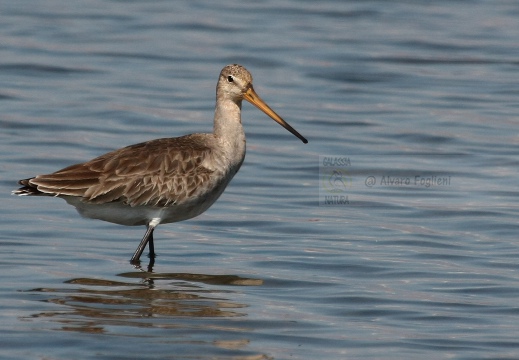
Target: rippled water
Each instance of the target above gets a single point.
(392, 234)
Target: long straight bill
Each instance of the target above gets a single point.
(255, 100)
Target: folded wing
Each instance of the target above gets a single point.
(161, 172)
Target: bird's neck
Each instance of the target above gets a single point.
(228, 128)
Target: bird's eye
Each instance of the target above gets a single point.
(230, 78)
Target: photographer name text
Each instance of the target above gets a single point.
(403, 181)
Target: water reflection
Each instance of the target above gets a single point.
(233, 280)
(161, 300)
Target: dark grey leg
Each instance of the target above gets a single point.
(148, 237)
(151, 247)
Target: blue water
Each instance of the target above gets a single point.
(300, 258)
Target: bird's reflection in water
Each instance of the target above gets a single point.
(161, 300)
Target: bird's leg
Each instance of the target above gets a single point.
(148, 237)
(151, 246)
(150, 264)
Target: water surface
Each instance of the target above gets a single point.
(399, 270)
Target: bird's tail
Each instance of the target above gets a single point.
(27, 189)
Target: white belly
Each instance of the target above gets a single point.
(123, 214)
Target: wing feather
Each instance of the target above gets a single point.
(158, 172)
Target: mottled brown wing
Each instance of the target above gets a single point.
(158, 173)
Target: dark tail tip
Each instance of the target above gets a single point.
(27, 188)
